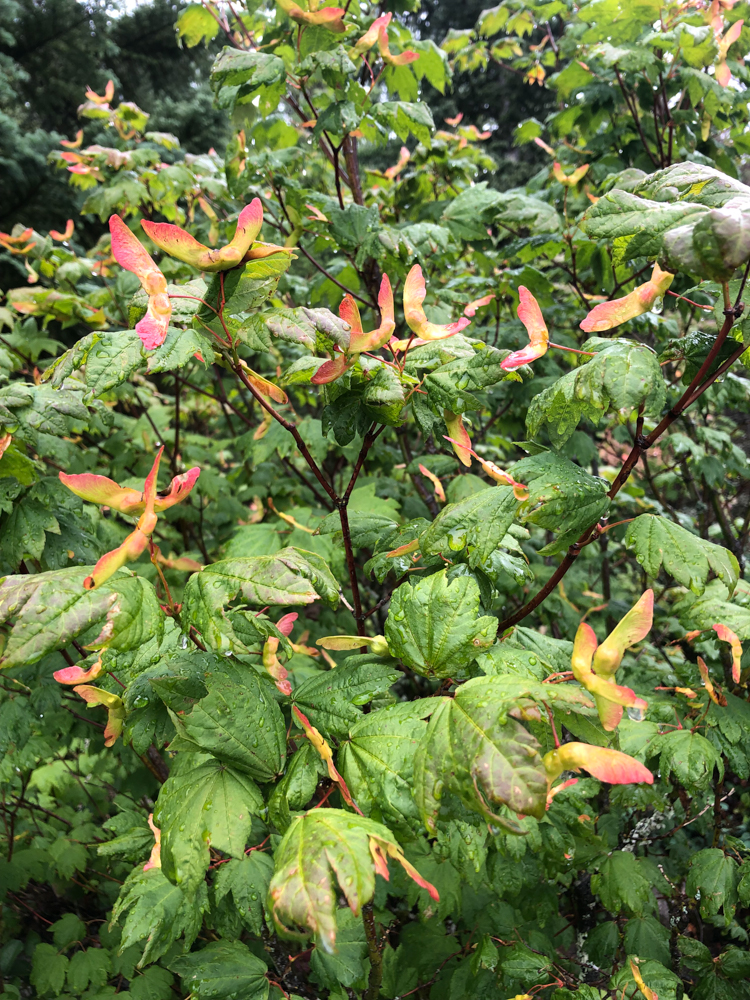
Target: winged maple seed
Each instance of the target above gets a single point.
(415, 291)
(113, 704)
(274, 666)
(154, 860)
(243, 246)
(359, 341)
(66, 234)
(131, 254)
(594, 666)
(376, 643)
(458, 436)
(722, 73)
(647, 992)
(77, 675)
(612, 766)
(714, 693)
(569, 180)
(101, 490)
(377, 33)
(326, 755)
(531, 316)
(607, 315)
(22, 243)
(725, 633)
(327, 17)
(520, 492)
(472, 307)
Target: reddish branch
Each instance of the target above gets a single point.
(696, 389)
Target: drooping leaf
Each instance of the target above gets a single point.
(159, 912)
(239, 723)
(377, 761)
(472, 749)
(563, 498)
(320, 848)
(288, 577)
(223, 969)
(203, 804)
(712, 880)
(331, 698)
(247, 880)
(478, 524)
(659, 542)
(622, 885)
(688, 756)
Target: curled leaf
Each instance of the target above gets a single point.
(458, 437)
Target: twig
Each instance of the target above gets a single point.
(330, 277)
(634, 112)
(696, 388)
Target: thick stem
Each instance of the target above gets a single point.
(352, 166)
(351, 567)
(373, 951)
(156, 764)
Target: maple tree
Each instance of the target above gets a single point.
(381, 721)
